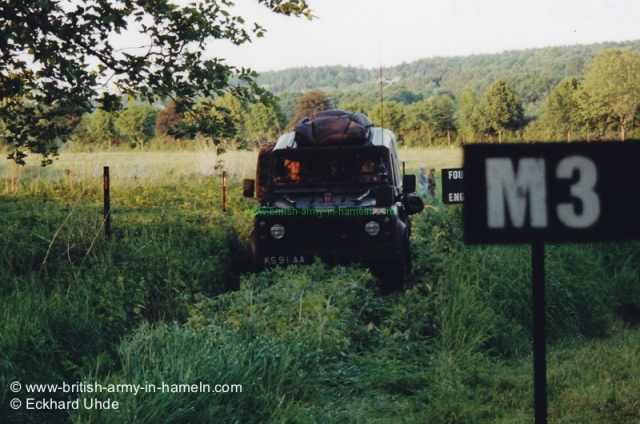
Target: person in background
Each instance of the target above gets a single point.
(294, 171)
(423, 181)
(291, 171)
(432, 182)
(367, 172)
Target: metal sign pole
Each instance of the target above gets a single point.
(539, 336)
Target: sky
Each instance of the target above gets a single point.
(373, 33)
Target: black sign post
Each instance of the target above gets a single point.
(539, 335)
(550, 192)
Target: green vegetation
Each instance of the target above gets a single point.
(554, 94)
(310, 103)
(309, 344)
(168, 299)
(500, 109)
(612, 88)
(78, 68)
(528, 80)
(388, 114)
(532, 73)
(592, 96)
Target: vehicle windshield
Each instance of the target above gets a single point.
(326, 166)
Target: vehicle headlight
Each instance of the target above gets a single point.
(372, 228)
(277, 231)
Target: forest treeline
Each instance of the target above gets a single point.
(568, 93)
(530, 71)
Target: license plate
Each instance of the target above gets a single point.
(284, 260)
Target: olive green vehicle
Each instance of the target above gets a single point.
(343, 203)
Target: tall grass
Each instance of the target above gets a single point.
(453, 348)
(311, 344)
(68, 295)
(126, 169)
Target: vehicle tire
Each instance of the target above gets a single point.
(255, 264)
(407, 254)
(394, 275)
(262, 170)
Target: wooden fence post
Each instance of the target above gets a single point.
(107, 204)
(224, 191)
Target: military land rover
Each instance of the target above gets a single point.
(334, 188)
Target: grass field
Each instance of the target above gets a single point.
(155, 304)
(163, 165)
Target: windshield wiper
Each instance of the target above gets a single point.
(362, 197)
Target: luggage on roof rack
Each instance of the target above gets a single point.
(333, 128)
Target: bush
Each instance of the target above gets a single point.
(276, 337)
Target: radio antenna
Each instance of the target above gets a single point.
(380, 67)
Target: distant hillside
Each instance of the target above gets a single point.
(531, 73)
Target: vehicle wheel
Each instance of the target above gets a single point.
(407, 255)
(393, 276)
(256, 266)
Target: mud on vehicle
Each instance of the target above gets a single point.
(333, 188)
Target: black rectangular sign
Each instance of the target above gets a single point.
(552, 192)
(452, 186)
